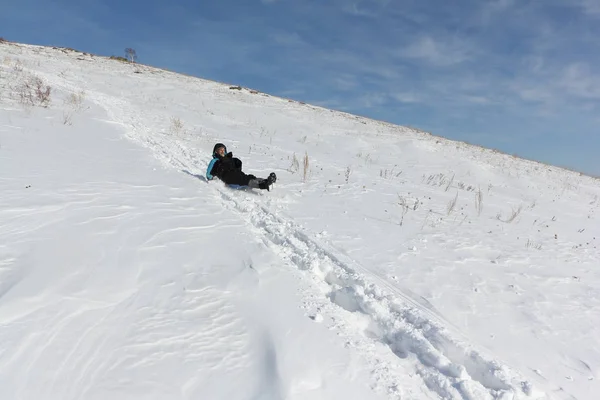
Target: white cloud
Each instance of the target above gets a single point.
(477, 99)
(345, 82)
(365, 8)
(406, 97)
(491, 9)
(537, 94)
(437, 52)
(581, 82)
(361, 12)
(288, 39)
(590, 7)
(373, 100)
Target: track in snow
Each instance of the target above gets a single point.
(410, 330)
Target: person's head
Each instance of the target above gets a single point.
(219, 150)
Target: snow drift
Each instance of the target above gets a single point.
(386, 262)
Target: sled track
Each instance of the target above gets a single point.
(410, 330)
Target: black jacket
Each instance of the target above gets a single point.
(228, 169)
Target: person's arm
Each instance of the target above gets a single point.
(237, 163)
(209, 175)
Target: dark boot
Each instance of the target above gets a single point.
(264, 185)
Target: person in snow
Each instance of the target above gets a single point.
(229, 169)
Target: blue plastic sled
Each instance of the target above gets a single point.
(238, 187)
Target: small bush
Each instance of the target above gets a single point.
(74, 104)
(176, 127)
(34, 92)
(119, 58)
(295, 166)
(75, 100)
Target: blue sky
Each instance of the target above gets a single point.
(519, 76)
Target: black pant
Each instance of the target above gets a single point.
(237, 177)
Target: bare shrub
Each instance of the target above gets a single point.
(131, 55)
(75, 100)
(295, 165)
(406, 205)
(74, 104)
(176, 126)
(348, 173)
(32, 91)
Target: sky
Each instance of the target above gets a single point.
(521, 77)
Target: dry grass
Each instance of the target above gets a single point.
(306, 166)
(533, 245)
(452, 204)
(479, 202)
(389, 174)
(513, 215)
(450, 184)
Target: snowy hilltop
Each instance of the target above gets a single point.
(383, 263)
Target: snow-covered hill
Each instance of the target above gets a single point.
(386, 263)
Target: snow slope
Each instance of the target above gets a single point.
(386, 262)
